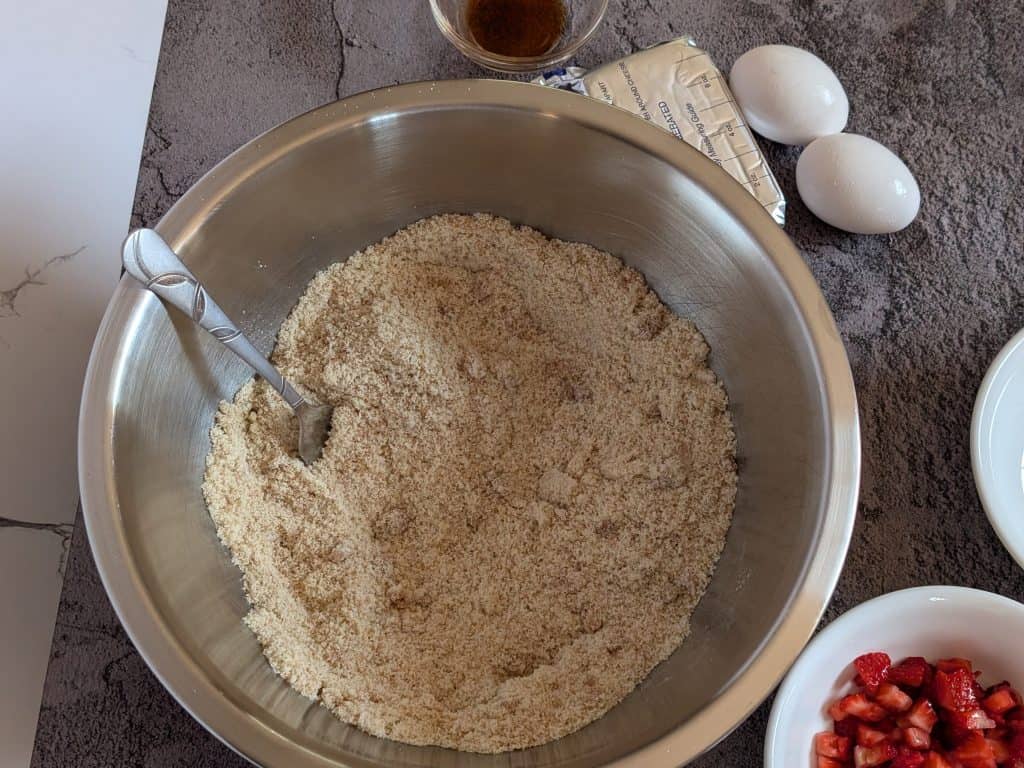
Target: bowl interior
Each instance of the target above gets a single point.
(934, 622)
(997, 449)
(257, 230)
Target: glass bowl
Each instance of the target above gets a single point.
(582, 17)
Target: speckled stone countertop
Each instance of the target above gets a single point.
(922, 312)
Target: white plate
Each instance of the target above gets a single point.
(934, 622)
(997, 445)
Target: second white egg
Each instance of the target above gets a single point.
(857, 184)
(788, 94)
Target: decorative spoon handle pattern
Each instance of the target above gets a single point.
(151, 261)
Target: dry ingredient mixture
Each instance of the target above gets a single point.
(529, 479)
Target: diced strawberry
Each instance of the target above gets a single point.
(869, 757)
(1000, 751)
(953, 664)
(830, 745)
(847, 727)
(959, 726)
(955, 690)
(872, 669)
(974, 752)
(951, 736)
(858, 705)
(922, 715)
(999, 732)
(1004, 686)
(972, 720)
(915, 715)
(1015, 719)
(868, 737)
(997, 702)
(892, 698)
(1016, 746)
(915, 738)
(908, 758)
(979, 691)
(935, 760)
(912, 672)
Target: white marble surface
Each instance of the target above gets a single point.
(76, 80)
(30, 562)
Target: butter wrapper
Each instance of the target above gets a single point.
(677, 87)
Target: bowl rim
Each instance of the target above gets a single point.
(502, 63)
(859, 613)
(981, 420)
(213, 705)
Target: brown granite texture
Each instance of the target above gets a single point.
(922, 312)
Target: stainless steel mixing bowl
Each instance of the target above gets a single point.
(314, 190)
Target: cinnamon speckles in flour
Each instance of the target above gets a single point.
(529, 479)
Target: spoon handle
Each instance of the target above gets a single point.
(151, 261)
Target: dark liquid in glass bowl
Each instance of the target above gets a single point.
(516, 27)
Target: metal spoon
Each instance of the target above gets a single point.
(151, 261)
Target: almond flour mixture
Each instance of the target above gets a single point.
(529, 479)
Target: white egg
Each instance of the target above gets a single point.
(856, 184)
(788, 94)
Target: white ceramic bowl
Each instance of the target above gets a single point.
(934, 622)
(997, 445)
